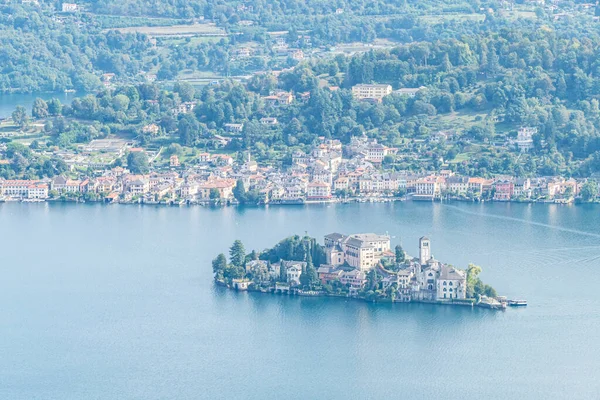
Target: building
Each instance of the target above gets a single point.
(223, 186)
(458, 185)
(522, 188)
(293, 270)
(318, 191)
(371, 92)
(151, 129)
(361, 251)
(451, 283)
(410, 92)
(504, 190)
(424, 250)
(37, 191)
(269, 121)
(355, 279)
(279, 99)
(69, 7)
(235, 128)
(430, 186)
(376, 153)
(525, 138)
(329, 273)
(174, 161)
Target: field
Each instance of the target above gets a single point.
(207, 29)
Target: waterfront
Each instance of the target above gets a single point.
(118, 302)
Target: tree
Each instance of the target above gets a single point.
(137, 162)
(219, 265)
(309, 277)
(120, 102)
(400, 256)
(589, 190)
(282, 272)
(185, 90)
(39, 108)
(189, 130)
(239, 192)
(54, 106)
(473, 272)
(237, 254)
(19, 116)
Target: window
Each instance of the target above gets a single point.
(450, 283)
(444, 291)
(444, 283)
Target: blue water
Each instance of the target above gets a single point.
(101, 302)
(8, 102)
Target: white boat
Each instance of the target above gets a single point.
(517, 303)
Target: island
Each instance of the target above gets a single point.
(361, 266)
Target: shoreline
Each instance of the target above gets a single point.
(299, 293)
(299, 202)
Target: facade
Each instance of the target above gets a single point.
(525, 138)
(504, 190)
(451, 283)
(318, 191)
(371, 92)
(293, 270)
(361, 251)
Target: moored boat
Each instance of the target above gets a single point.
(517, 303)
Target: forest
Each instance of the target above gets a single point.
(481, 80)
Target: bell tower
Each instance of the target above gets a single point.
(424, 250)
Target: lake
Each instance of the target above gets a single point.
(100, 302)
(8, 102)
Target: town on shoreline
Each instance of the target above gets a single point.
(330, 172)
(361, 266)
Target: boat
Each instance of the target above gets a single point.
(517, 303)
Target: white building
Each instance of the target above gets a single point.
(451, 283)
(370, 92)
(318, 191)
(69, 7)
(525, 138)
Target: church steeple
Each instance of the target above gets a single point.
(424, 250)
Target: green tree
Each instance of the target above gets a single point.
(237, 254)
(473, 272)
(120, 102)
(219, 265)
(282, 272)
(400, 256)
(54, 106)
(19, 116)
(309, 277)
(589, 190)
(39, 108)
(239, 192)
(137, 162)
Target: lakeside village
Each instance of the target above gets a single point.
(361, 266)
(331, 172)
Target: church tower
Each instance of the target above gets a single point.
(424, 250)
